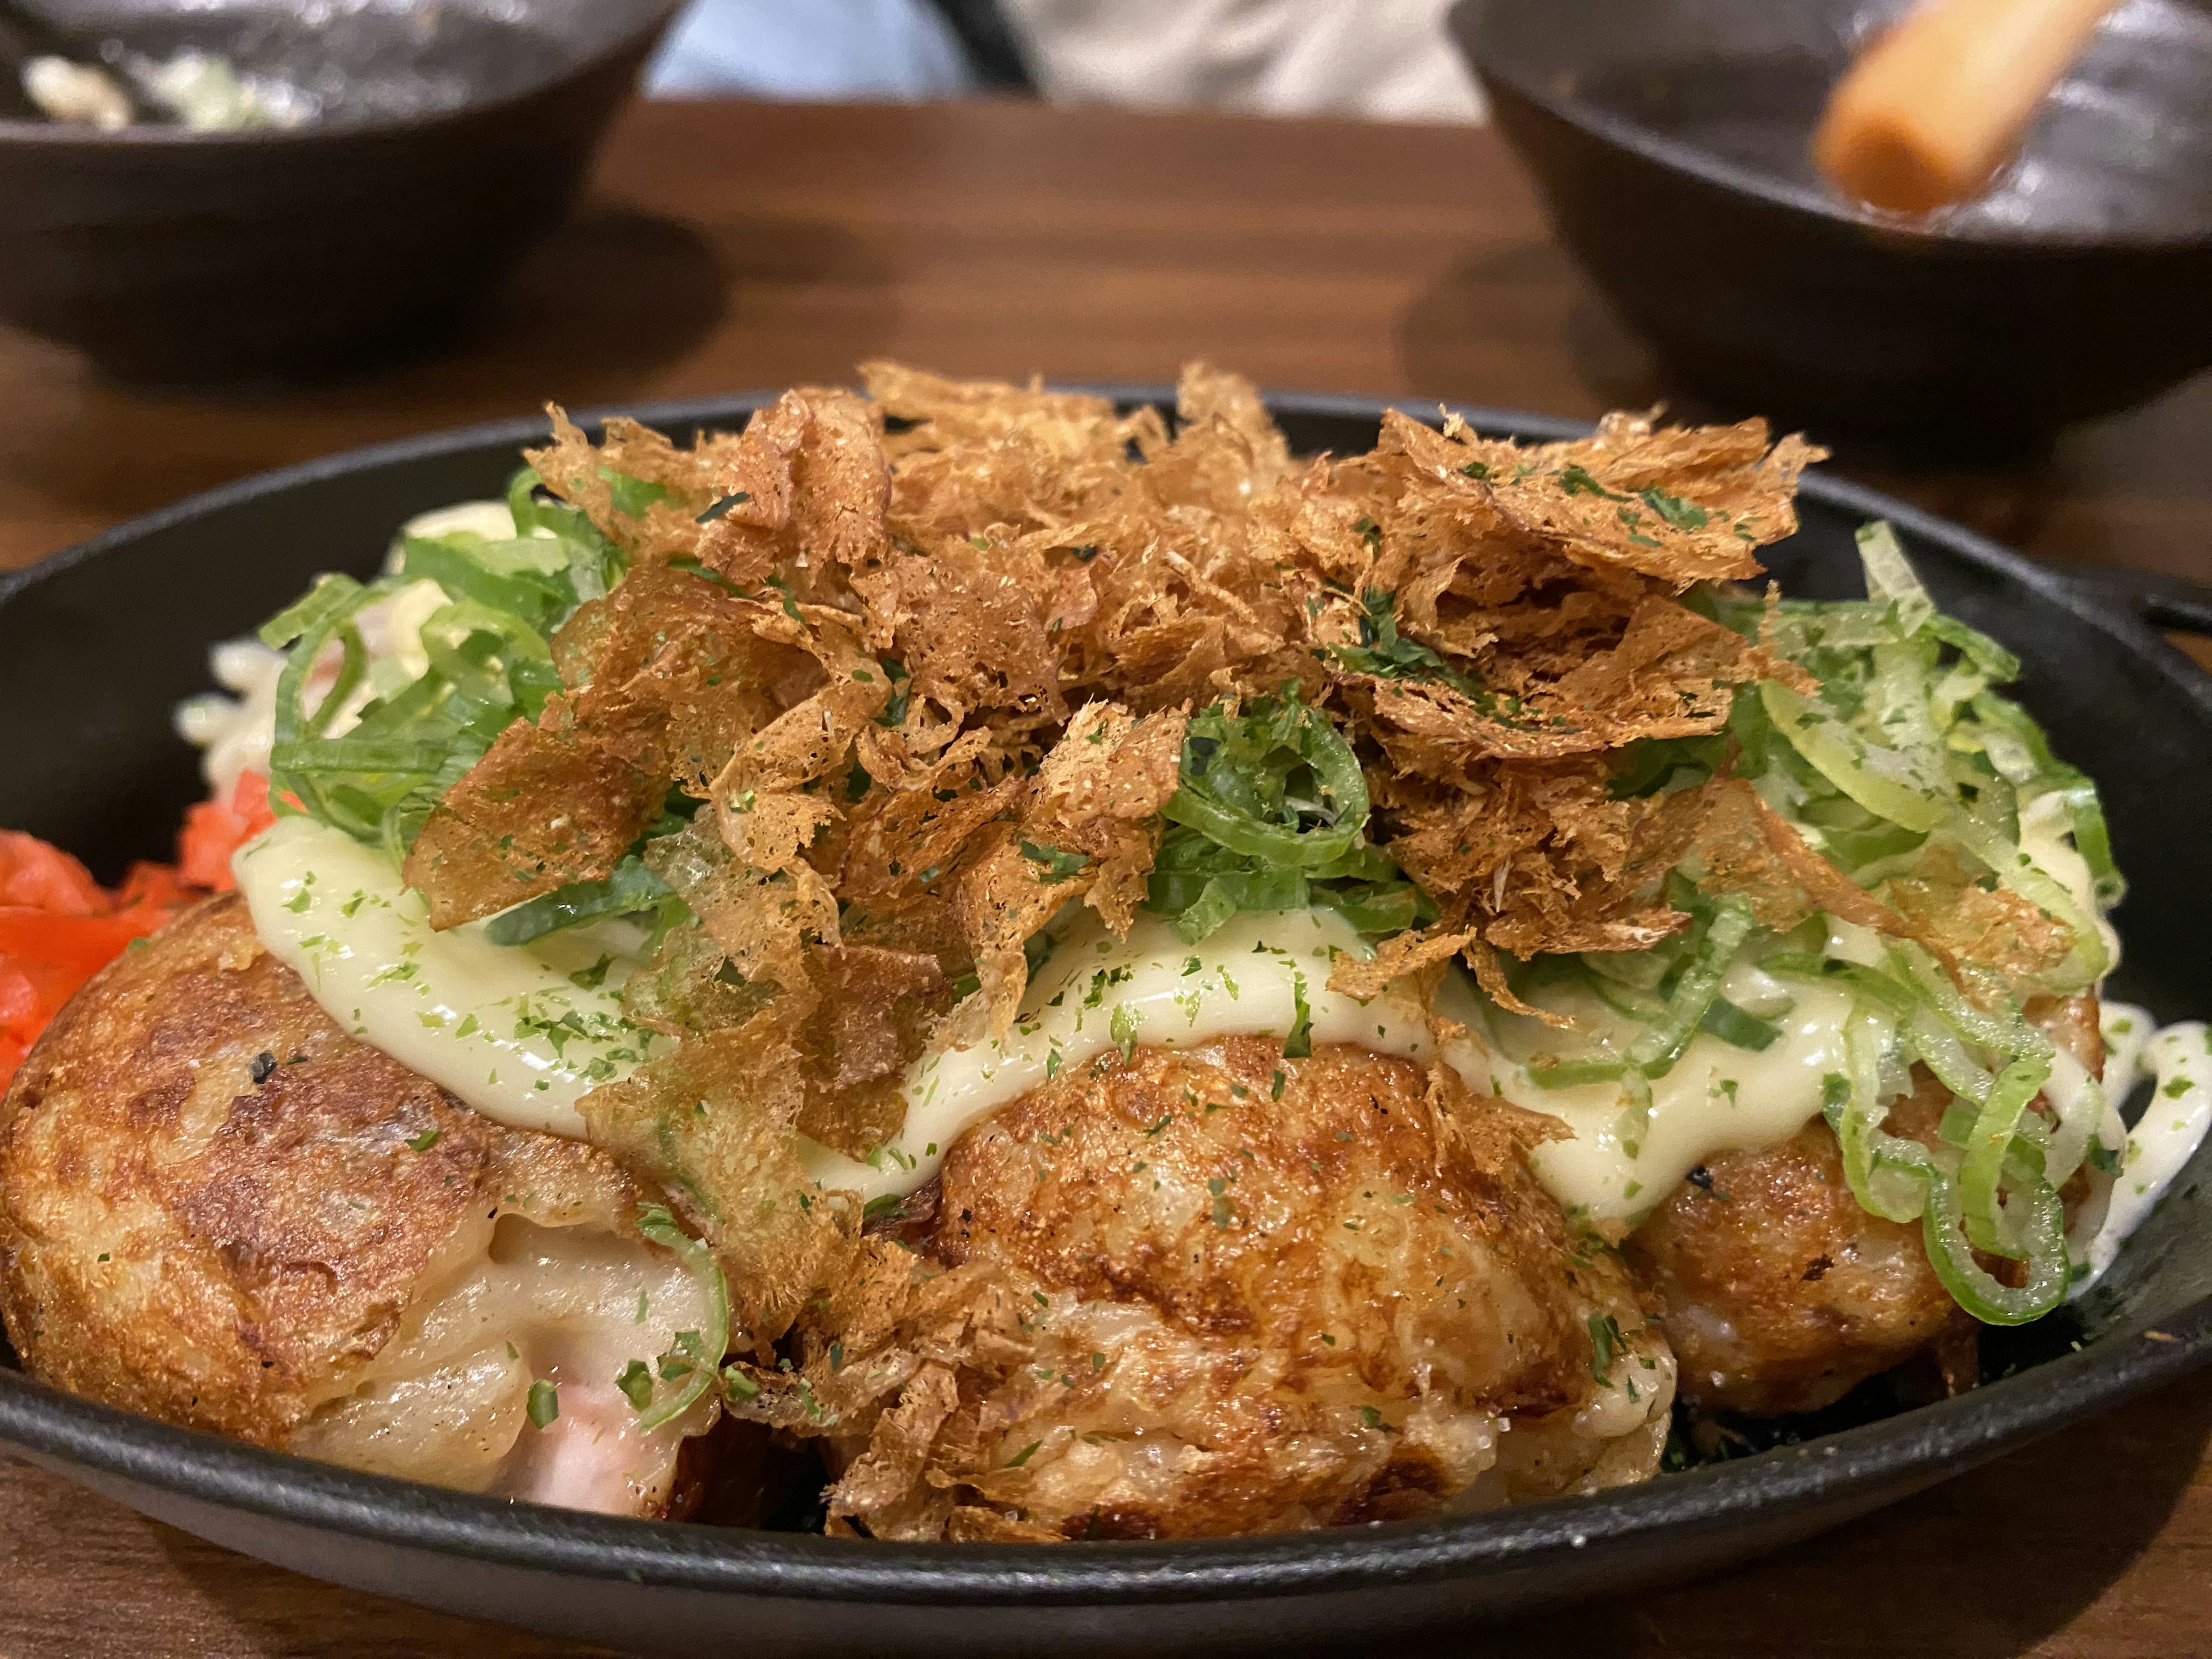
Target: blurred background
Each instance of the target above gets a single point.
(1387, 60)
(289, 226)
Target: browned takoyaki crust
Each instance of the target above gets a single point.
(217, 1207)
(1214, 1291)
(1780, 1292)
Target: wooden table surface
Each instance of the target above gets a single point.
(727, 247)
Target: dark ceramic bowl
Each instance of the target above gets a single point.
(1671, 141)
(96, 646)
(457, 135)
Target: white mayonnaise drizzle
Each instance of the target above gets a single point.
(2172, 1127)
(519, 1032)
(481, 1019)
(509, 1031)
(1716, 1098)
(486, 1021)
(1094, 994)
(1615, 1169)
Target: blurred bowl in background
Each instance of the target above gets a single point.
(447, 137)
(1671, 140)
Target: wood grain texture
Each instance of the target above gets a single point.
(727, 247)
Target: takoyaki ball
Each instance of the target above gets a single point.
(1781, 1293)
(218, 1209)
(1254, 1294)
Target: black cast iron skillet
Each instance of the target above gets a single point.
(98, 643)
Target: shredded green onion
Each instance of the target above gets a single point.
(1892, 580)
(1987, 1145)
(2042, 1233)
(1575, 1074)
(694, 1360)
(1269, 814)
(631, 888)
(1905, 743)
(1732, 1025)
(2005, 1033)
(1882, 780)
(1275, 783)
(490, 664)
(1655, 1052)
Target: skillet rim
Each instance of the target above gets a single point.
(1870, 1463)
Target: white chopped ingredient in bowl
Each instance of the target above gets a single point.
(76, 94)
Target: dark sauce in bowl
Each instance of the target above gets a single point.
(2123, 148)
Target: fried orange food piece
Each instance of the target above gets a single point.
(1217, 1291)
(1780, 1293)
(219, 1210)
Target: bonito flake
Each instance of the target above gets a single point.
(914, 668)
(1088, 828)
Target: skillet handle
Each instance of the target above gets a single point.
(2172, 603)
